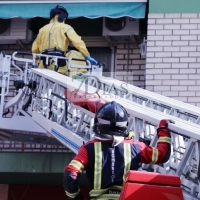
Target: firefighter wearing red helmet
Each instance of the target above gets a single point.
(111, 155)
(54, 39)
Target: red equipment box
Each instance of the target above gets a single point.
(141, 185)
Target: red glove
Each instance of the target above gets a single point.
(162, 130)
(164, 123)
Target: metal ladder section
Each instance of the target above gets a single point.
(118, 88)
(73, 126)
(146, 98)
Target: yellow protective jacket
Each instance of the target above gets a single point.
(56, 34)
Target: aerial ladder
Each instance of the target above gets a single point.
(41, 101)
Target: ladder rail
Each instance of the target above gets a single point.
(184, 159)
(134, 94)
(150, 99)
(72, 85)
(73, 125)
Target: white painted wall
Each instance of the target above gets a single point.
(173, 56)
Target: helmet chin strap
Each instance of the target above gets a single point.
(116, 139)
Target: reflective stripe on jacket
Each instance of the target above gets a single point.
(106, 166)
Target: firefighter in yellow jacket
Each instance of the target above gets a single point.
(54, 38)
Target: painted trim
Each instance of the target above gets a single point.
(73, 1)
(65, 139)
(174, 6)
(88, 10)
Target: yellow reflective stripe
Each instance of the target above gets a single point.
(116, 187)
(165, 139)
(154, 155)
(127, 159)
(97, 165)
(108, 196)
(95, 192)
(72, 195)
(78, 165)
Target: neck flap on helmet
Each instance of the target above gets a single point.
(63, 14)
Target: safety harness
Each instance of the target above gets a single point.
(54, 52)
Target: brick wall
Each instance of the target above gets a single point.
(173, 56)
(130, 67)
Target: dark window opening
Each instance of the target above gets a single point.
(4, 25)
(89, 27)
(83, 26)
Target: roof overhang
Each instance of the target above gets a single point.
(69, 1)
(75, 8)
